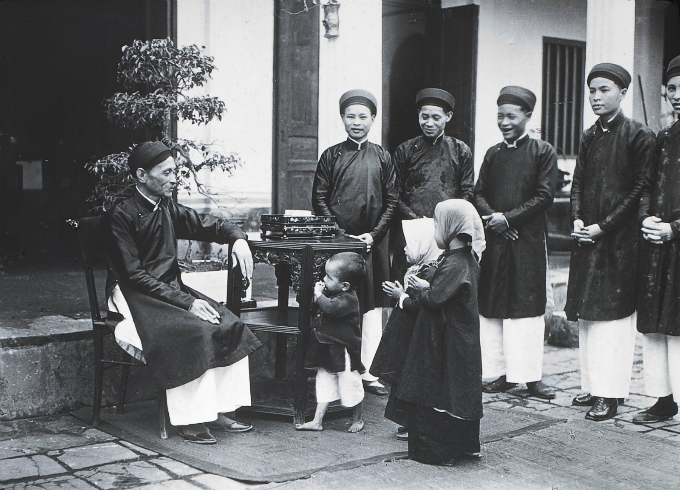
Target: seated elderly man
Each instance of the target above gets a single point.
(196, 349)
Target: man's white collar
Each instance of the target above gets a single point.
(155, 203)
(359, 143)
(514, 143)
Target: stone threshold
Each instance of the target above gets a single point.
(43, 330)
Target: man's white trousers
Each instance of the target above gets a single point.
(607, 350)
(512, 347)
(661, 358)
(371, 333)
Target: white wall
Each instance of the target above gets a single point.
(241, 39)
(611, 39)
(352, 60)
(510, 52)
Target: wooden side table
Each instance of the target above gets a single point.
(299, 263)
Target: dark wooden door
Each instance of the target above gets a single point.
(296, 102)
(452, 64)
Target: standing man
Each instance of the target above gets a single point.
(355, 182)
(516, 186)
(658, 316)
(614, 156)
(195, 348)
(430, 168)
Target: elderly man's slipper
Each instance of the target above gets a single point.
(232, 426)
(200, 438)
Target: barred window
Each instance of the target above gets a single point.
(563, 89)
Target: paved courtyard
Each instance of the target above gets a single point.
(60, 452)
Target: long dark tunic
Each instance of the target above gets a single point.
(142, 258)
(336, 327)
(357, 185)
(659, 286)
(428, 172)
(520, 183)
(443, 367)
(608, 178)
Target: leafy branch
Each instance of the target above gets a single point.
(157, 77)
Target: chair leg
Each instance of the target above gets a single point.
(122, 387)
(162, 413)
(98, 377)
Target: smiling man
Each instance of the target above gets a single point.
(613, 159)
(355, 182)
(430, 168)
(516, 185)
(195, 348)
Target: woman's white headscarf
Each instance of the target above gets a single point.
(456, 216)
(420, 245)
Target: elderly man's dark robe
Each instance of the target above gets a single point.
(356, 183)
(659, 285)
(520, 183)
(610, 170)
(141, 242)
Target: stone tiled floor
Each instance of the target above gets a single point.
(60, 452)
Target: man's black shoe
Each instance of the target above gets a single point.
(587, 400)
(665, 408)
(540, 390)
(603, 409)
(645, 417)
(378, 390)
(498, 386)
(583, 400)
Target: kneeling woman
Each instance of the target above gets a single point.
(442, 375)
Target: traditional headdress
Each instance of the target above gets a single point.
(617, 74)
(517, 96)
(363, 97)
(437, 97)
(147, 155)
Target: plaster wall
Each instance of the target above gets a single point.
(510, 52)
(241, 40)
(351, 60)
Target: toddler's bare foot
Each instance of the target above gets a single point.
(315, 426)
(356, 426)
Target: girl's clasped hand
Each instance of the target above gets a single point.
(393, 289)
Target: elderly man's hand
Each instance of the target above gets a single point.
(242, 254)
(204, 311)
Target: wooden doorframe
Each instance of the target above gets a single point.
(285, 28)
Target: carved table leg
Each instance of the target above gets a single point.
(304, 323)
(283, 282)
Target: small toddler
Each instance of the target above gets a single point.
(335, 343)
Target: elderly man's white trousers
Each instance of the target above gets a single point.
(512, 347)
(218, 390)
(661, 358)
(607, 350)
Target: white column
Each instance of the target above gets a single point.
(351, 60)
(240, 36)
(610, 38)
(649, 50)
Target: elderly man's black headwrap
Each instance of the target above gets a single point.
(147, 155)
